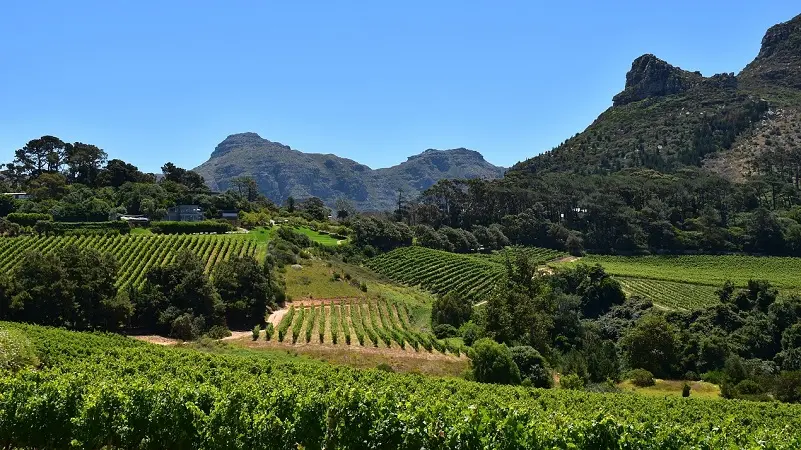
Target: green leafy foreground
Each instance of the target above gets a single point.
(107, 391)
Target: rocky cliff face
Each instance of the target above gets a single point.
(779, 59)
(281, 172)
(651, 77)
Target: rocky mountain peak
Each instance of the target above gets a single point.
(240, 140)
(779, 59)
(652, 77)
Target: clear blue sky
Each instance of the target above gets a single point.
(151, 81)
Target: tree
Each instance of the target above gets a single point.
(48, 186)
(246, 187)
(344, 209)
(84, 162)
(117, 172)
(290, 204)
(315, 208)
(7, 205)
(38, 156)
(533, 366)
(245, 289)
(493, 363)
(449, 309)
(179, 288)
(650, 345)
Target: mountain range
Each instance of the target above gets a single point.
(666, 119)
(281, 172)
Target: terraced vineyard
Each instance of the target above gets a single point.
(670, 294)
(440, 272)
(536, 255)
(782, 272)
(135, 254)
(356, 321)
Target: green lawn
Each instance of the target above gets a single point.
(324, 239)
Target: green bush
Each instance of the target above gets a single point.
(445, 330)
(685, 390)
(79, 228)
(28, 219)
(218, 332)
(268, 331)
(16, 351)
(204, 226)
(492, 363)
(470, 332)
(571, 381)
(533, 367)
(641, 377)
(256, 330)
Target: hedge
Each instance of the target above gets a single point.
(28, 219)
(205, 226)
(59, 228)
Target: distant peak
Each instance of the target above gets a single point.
(248, 139)
(650, 76)
(452, 151)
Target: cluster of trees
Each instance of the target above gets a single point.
(458, 240)
(579, 323)
(77, 288)
(631, 211)
(78, 183)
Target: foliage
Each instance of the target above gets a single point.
(533, 367)
(448, 309)
(16, 351)
(28, 219)
(650, 345)
(641, 377)
(206, 226)
(493, 363)
(218, 332)
(246, 289)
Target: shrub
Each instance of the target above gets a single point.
(492, 363)
(685, 390)
(186, 327)
(747, 387)
(533, 367)
(571, 381)
(16, 351)
(445, 330)
(788, 387)
(384, 367)
(204, 226)
(641, 377)
(255, 331)
(450, 309)
(28, 219)
(218, 332)
(470, 332)
(363, 286)
(268, 331)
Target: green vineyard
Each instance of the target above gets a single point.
(537, 255)
(782, 272)
(670, 294)
(107, 391)
(364, 322)
(440, 272)
(134, 254)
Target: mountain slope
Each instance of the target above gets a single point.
(281, 172)
(667, 118)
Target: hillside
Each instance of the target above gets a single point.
(281, 171)
(667, 118)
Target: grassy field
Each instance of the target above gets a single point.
(315, 279)
(323, 239)
(673, 388)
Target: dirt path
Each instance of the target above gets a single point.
(276, 316)
(238, 335)
(564, 259)
(158, 340)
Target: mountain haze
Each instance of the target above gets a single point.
(281, 172)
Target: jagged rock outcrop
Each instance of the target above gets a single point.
(779, 59)
(652, 77)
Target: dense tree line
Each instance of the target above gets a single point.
(631, 211)
(76, 182)
(76, 288)
(578, 322)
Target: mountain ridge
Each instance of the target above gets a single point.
(281, 171)
(667, 118)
